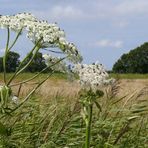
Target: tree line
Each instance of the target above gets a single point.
(136, 61)
(13, 61)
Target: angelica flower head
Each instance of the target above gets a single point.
(49, 34)
(93, 75)
(52, 36)
(16, 22)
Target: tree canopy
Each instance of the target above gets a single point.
(37, 64)
(13, 62)
(136, 61)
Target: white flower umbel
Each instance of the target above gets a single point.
(50, 35)
(93, 75)
(55, 63)
(16, 22)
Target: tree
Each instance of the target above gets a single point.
(1, 64)
(136, 61)
(37, 64)
(12, 62)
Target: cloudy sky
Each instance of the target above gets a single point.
(102, 29)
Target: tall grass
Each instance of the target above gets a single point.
(56, 122)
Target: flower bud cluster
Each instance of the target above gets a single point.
(5, 92)
(16, 22)
(49, 34)
(93, 75)
(6, 96)
(15, 99)
(55, 63)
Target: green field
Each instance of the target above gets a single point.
(130, 76)
(52, 117)
(23, 76)
(64, 76)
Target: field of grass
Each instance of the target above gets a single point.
(52, 117)
(64, 76)
(23, 76)
(130, 76)
(59, 82)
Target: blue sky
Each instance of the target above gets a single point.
(102, 29)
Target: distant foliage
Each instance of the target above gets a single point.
(136, 61)
(1, 64)
(12, 62)
(37, 64)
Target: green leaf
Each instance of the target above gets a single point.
(3, 130)
(98, 106)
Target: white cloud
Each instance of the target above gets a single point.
(109, 43)
(95, 10)
(59, 12)
(121, 23)
(122, 8)
(132, 7)
(68, 12)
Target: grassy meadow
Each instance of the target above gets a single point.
(130, 76)
(52, 117)
(64, 76)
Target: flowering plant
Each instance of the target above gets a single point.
(92, 77)
(44, 35)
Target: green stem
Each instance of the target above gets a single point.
(5, 55)
(25, 81)
(19, 33)
(19, 70)
(8, 49)
(36, 50)
(88, 126)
